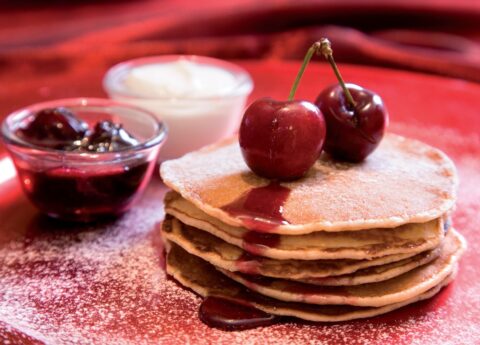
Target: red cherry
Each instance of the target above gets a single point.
(55, 128)
(356, 118)
(353, 131)
(281, 139)
(108, 136)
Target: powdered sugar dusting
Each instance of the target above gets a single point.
(103, 284)
(106, 285)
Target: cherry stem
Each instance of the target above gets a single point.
(312, 50)
(326, 50)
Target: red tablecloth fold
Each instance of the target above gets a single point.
(434, 36)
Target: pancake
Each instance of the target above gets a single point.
(377, 273)
(395, 290)
(205, 280)
(229, 257)
(402, 181)
(321, 245)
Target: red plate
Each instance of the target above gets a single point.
(106, 283)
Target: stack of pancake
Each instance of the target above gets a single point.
(346, 241)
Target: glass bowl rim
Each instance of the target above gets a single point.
(10, 138)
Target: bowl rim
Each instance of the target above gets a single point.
(10, 138)
(243, 87)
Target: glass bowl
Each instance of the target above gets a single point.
(193, 120)
(86, 186)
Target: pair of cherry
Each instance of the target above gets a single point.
(283, 139)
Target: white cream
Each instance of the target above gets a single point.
(179, 79)
(200, 99)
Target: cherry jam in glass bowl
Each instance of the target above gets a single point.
(83, 159)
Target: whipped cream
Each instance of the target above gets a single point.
(180, 79)
(201, 99)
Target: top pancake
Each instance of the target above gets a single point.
(403, 181)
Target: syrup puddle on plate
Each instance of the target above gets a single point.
(232, 315)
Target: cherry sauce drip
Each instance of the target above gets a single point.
(256, 242)
(248, 263)
(232, 315)
(261, 209)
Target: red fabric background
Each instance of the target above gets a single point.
(47, 37)
(54, 49)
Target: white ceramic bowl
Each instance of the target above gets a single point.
(193, 120)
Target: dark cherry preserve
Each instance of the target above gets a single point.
(255, 242)
(262, 238)
(76, 191)
(231, 315)
(261, 208)
(55, 128)
(248, 263)
(76, 195)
